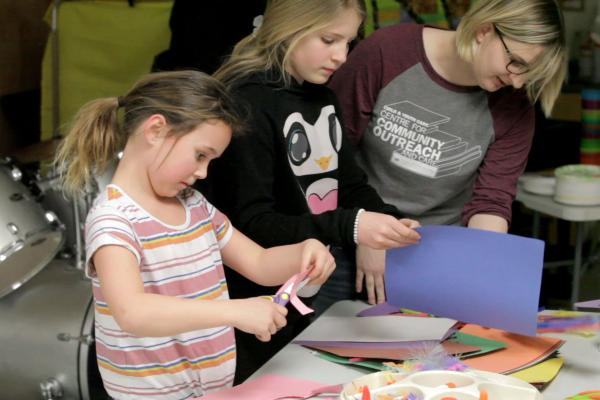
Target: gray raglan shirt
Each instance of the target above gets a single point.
(439, 152)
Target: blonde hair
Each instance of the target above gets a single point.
(101, 128)
(285, 23)
(528, 21)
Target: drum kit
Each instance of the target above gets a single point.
(46, 310)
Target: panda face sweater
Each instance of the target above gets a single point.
(293, 174)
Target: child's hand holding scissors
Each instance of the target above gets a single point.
(316, 266)
(260, 316)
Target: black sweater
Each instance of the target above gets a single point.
(263, 180)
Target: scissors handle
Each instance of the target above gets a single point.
(281, 299)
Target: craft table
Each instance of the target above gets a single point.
(577, 214)
(580, 371)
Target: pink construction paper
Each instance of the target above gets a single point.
(267, 387)
(287, 293)
(295, 281)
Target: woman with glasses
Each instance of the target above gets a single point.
(443, 120)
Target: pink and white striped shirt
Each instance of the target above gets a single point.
(182, 261)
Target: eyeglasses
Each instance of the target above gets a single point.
(514, 66)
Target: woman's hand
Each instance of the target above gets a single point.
(259, 316)
(381, 231)
(317, 259)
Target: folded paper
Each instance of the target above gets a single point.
(378, 329)
(588, 304)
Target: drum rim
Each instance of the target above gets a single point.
(40, 265)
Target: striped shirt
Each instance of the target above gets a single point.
(182, 261)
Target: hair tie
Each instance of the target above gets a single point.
(257, 23)
(120, 101)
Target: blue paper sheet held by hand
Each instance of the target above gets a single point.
(487, 278)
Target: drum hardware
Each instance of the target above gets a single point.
(52, 218)
(12, 228)
(31, 236)
(51, 389)
(67, 337)
(12, 248)
(79, 250)
(19, 243)
(16, 174)
(71, 209)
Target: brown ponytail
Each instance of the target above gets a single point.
(93, 140)
(102, 127)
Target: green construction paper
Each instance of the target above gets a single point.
(485, 345)
(373, 365)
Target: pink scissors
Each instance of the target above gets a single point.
(283, 295)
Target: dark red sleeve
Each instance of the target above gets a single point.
(357, 84)
(496, 184)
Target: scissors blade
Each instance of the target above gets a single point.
(286, 289)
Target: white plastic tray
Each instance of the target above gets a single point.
(437, 385)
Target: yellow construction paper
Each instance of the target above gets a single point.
(567, 313)
(542, 372)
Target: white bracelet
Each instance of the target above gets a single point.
(355, 232)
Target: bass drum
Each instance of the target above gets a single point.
(46, 332)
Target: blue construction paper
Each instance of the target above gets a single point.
(487, 278)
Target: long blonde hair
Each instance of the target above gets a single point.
(528, 21)
(101, 128)
(284, 24)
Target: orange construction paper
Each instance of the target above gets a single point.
(521, 351)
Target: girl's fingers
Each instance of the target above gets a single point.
(411, 223)
(263, 337)
(359, 280)
(281, 310)
(370, 285)
(379, 289)
(406, 233)
(280, 322)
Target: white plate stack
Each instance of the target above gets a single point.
(578, 184)
(538, 183)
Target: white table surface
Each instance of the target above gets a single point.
(577, 214)
(581, 369)
(547, 205)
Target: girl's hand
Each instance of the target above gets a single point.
(370, 268)
(260, 316)
(381, 231)
(317, 259)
